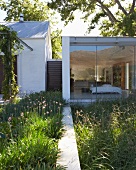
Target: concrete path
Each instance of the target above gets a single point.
(1, 96)
(67, 145)
(1, 100)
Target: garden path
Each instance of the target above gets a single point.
(67, 144)
(1, 100)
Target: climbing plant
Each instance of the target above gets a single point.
(9, 45)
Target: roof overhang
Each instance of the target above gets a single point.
(22, 42)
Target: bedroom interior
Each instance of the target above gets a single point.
(89, 63)
(104, 71)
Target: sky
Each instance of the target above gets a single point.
(76, 28)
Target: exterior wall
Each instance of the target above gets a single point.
(48, 53)
(66, 68)
(31, 66)
(48, 45)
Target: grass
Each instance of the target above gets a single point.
(29, 132)
(106, 135)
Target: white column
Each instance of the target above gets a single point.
(98, 73)
(66, 68)
(19, 71)
(127, 76)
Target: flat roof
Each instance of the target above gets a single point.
(86, 40)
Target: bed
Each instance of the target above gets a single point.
(106, 89)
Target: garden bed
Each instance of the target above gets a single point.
(106, 135)
(29, 132)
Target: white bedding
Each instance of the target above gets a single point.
(106, 88)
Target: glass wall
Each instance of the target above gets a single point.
(102, 71)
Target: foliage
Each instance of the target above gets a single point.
(29, 132)
(106, 135)
(9, 44)
(114, 17)
(35, 10)
(56, 44)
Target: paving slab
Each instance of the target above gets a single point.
(1, 100)
(67, 145)
(1, 97)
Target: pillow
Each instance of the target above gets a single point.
(106, 85)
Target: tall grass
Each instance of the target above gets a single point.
(106, 135)
(29, 132)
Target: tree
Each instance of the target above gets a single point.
(56, 41)
(9, 44)
(114, 17)
(33, 10)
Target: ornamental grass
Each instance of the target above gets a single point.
(106, 135)
(29, 132)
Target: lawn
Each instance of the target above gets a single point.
(106, 135)
(29, 132)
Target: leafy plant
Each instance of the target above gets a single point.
(9, 44)
(113, 17)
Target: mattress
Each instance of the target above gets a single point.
(106, 88)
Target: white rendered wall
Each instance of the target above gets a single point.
(48, 45)
(31, 66)
(127, 76)
(66, 68)
(48, 53)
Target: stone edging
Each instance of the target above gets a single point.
(67, 144)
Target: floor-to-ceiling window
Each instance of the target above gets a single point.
(82, 70)
(102, 71)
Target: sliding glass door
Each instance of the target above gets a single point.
(102, 71)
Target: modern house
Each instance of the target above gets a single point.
(98, 67)
(31, 67)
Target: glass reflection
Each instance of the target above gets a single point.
(101, 70)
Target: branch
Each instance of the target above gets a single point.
(121, 7)
(106, 9)
(132, 7)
